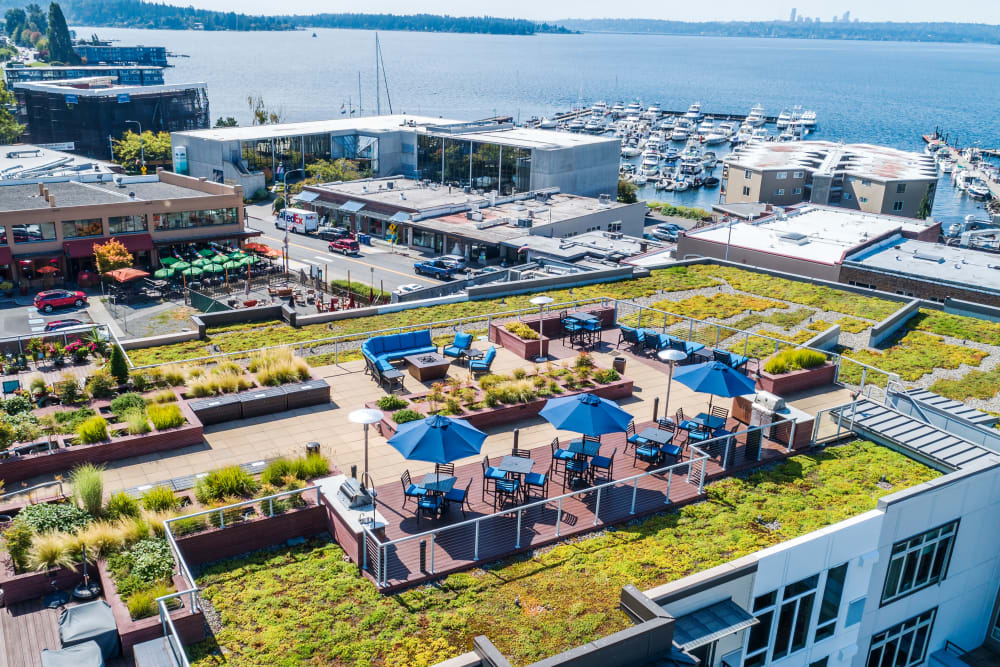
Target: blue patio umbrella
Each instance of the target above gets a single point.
(715, 378)
(437, 439)
(586, 414)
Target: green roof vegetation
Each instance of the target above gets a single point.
(956, 326)
(307, 604)
(914, 356)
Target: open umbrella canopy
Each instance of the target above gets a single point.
(201, 262)
(206, 252)
(125, 275)
(192, 272)
(716, 378)
(47, 269)
(437, 439)
(181, 266)
(164, 273)
(168, 261)
(249, 259)
(586, 414)
(232, 265)
(219, 258)
(239, 254)
(212, 268)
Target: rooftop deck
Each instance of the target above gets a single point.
(28, 627)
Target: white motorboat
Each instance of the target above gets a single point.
(715, 138)
(626, 168)
(706, 127)
(760, 134)
(618, 108)
(594, 126)
(547, 124)
(667, 123)
(694, 111)
(979, 190)
(809, 118)
(639, 179)
(652, 112)
(756, 117)
(631, 151)
(680, 133)
(728, 129)
(650, 165)
(709, 160)
(599, 108)
(633, 107)
(575, 125)
(681, 184)
(784, 118)
(691, 166)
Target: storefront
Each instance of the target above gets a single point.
(80, 252)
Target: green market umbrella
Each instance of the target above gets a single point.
(249, 259)
(192, 272)
(230, 265)
(206, 252)
(181, 266)
(239, 254)
(201, 263)
(220, 259)
(164, 273)
(212, 268)
(168, 261)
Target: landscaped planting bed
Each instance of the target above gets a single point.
(982, 385)
(956, 326)
(916, 355)
(699, 307)
(307, 604)
(758, 347)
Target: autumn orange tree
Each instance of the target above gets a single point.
(112, 255)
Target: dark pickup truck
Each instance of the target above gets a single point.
(436, 268)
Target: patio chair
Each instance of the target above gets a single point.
(445, 469)
(459, 346)
(520, 453)
(410, 490)
(627, 335)
(666, 424)
(721, 412)
(603, 463)
(491, 474)
(536, 480)
(505, 490)
(721, 355)
(570, 325)
(459, 497)
(10, 386)
(575, 469)
(559, 455)
(631, 437)
(650, 341)
(432, 505)
(483, 365)
(649, 453)
(593, 331)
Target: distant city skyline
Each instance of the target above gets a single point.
(977, 11)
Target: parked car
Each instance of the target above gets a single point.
(455, 260)
(435, 267)
(57, 298)
(334, 233)
(668, 231)
(56, 325)
(344, 245)
(407, 288)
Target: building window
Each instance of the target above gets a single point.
(900, 188)
(797, 191)
(848, 196)
(747, 174)
(42, 231)
(188, 219)
(780, 192)
(429, 157)
(760, 634)
(829, 606)
(919, 562)
(897, 206)
(90, 227)
(615, 226)
(746, 191)
(822, 662)
(791, 632)
(904, 644)
(863, 200)
(800, 174)
(126, 224)
(782, 175)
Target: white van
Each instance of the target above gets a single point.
(299, 221)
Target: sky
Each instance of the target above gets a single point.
(976, 11)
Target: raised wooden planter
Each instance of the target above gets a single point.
(263, 401)
(30, 585)
(24, 466)
(524, 348)
(793, 381)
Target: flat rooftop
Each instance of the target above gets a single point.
(822, 234)
(26, 161)
(455, 129)
(70, 87)
(879, 163)
(25, 197)
(970, 269)
(599, 244)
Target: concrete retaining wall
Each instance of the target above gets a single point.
(554, 282)
(890, 325)
(969, 309)
(825, 340)
(163, 339)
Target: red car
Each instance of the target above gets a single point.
(57, 298)
(344, 245)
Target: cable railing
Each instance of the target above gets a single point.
(31, 489)
(170, 633)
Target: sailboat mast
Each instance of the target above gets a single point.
(361, 107)
(378, 94)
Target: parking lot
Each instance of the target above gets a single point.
(18, 319)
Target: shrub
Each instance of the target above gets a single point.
(159, 499)
(277, 367)
(88, 486)
(121, 505)
(142, 603)
(141, 381)
(21, 427)
(230, 382)
(68, 389)
(117, 365)
(67, 421)
(165, 396)
(173, 375)
(37, 384)
(794, 360)
(137, 421)
(146, 563)
(521, 330)
(50, 551)
(101, 384)
(487, 382)
(406, 415)
(607, 375)
(133, 528)
(306, 467)
(165, 416)
(519, 373)
(94, 429)
(392, 402)
(17, 542)
(125, 402)
(16, 405)
(228, 481)
(101, 538)
(47, 517)
(202, 388)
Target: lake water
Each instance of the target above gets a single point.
(888, 93)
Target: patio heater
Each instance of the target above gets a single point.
(541, 301)
(671, 357)
(366, 416)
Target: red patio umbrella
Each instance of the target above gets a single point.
(47, 269)
(125, 275)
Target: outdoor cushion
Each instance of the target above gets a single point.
(407, 340)
(87, 654)
(535, 479)
(414, 490)
(493, 473)
(383, 365)
(563, 455)
(376, 345)
(92, 621)
(463, 340)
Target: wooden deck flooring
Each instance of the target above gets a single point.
(28, 627)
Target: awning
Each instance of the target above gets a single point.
(85, 247)
(400, 217)
(711, 624)
(307, 196)
(247, 233)
(6, 257)
(351, 207)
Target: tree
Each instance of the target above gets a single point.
(260, 114)
(13, 22)
(228, 121)
(112, 255)
(10, 129)
(117, 365)
(627, 192)
(279, 204)
(128, 151)
(36, 17)
(925, 205)
(60, 44)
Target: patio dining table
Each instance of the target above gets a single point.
(662, 438)
(438, 483)
(709, 422)
(584, 447)
(515, 465)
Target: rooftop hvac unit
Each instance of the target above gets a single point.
(604, 201)
(389, 185)
(614, 236)
(524, 222)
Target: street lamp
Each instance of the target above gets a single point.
(671, 357)
(284, 194)
(541, 302)
(142, 149)
(367, 417)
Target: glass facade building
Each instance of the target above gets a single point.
(479, 165)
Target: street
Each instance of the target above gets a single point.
(391, 269)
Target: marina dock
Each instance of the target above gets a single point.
(962, 161)
(564, 116)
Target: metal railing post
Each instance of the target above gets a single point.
(364, 549)
(690, 329)
(639, 324)
(725, 452)
(432, 553)
(664, 323)
(517, 544)
(864, 376)
(475, 553)
(271, 502)
(635, 492)
(670, 479)
(597, 506)
(559, 516)
(718, 334)
(222, 519)
(690, 466)
(383, 565)
(791, 436)
(701, 477)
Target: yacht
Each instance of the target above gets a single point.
(809, 118)
(652, 112)
(784, 118)
(744, 135)
(599, 108)
(680, 133)
(650, 165)
(547, 124)
(714, 138)
(670, 155)
(756, 117)
(728, 129)
(759, 134)
(633, 108)
(631, 150)
(691, 166)
(694, 111)
(706, 127)
(978, 190)
(667, 123)
(709, 160)
(575, 125)
(594, 125)
(618, 108)
(640, 179)
(681, 184)
(626, 168)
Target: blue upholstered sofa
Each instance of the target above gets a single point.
(380, 350)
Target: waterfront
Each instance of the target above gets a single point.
(876, 92)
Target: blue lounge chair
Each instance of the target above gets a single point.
(633, 438)
(491, 474)
(411, 490)
(459, 346)
(483, 365)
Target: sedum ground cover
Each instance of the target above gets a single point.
(308, 605)
(915, 355)
(956, 326)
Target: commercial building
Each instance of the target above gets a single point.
(125, 75)
(26, 163)
(447, 219)
(925, 270)
(56, 222)
(482, 156)
(585, 248)
(88, 113)
(875, 179)
(805, 239)
(122, 55)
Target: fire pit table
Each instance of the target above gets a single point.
(427, 366)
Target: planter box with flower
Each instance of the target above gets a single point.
(519, 338)
(795, 370)
(497, 399)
